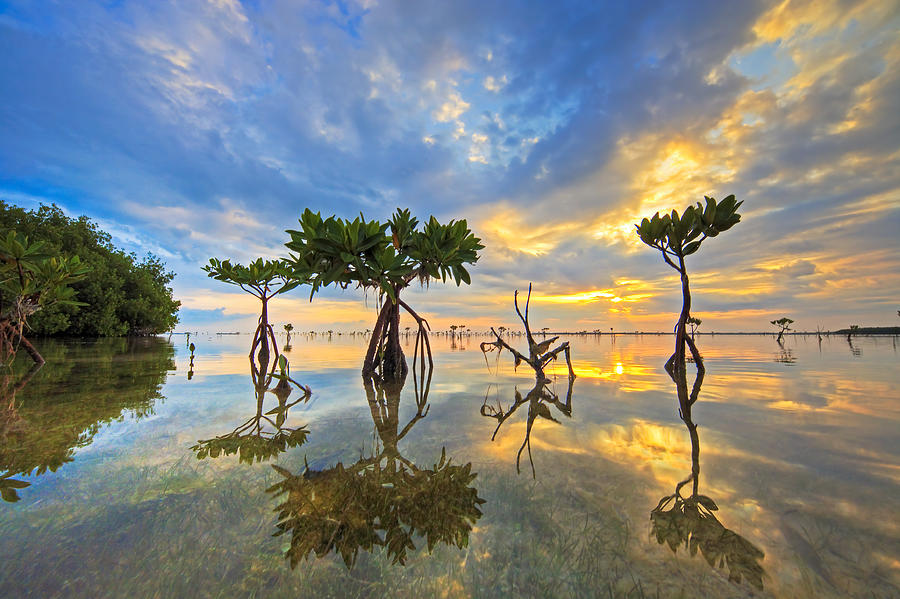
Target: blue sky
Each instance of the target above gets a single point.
(198, 129)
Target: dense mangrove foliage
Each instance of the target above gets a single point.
(385, 258)
(119, 295)
(31, 279)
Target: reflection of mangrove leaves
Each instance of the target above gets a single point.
(8, 488)
(690, 523)
(250, 440)
(252, 449)
(544, 412)
(83, 387)
(345, 509)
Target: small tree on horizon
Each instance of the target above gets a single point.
(694, 323)
(679, 236)
(784, 324)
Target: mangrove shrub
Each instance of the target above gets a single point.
(783, 324)
(383, 257)
(264, 279)
(121, 295)
(31, 279)
(679, 236)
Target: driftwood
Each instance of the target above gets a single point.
(539, 354)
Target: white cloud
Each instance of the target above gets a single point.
(451, 109)
(494, 85)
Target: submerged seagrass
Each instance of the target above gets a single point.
(412, 490)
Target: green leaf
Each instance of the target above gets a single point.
(691, 248)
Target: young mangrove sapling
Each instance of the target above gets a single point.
(264, 279)
(679, 236)
(783, 324)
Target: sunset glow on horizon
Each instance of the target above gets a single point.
(203, 129)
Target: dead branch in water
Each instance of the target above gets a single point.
(539, 354)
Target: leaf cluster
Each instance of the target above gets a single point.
(384, 256)
(252, 448)
(262, 278)
(681, 235)
(345, 509)
(690, 523)
(9, 487)
(31, 273)
(784, 323)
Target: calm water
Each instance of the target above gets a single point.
(124, 476)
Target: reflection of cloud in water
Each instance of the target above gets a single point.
(216, 357)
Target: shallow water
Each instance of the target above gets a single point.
(110, 486)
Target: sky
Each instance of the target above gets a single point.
(203, 129)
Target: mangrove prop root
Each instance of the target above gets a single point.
(13, 338)
(384, 352)
(384, 348)
(422, 334)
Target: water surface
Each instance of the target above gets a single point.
(127, 472)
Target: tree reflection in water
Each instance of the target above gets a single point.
(253, 440)
(384, 500)
(689, 522)
(539, 400)
(785, 356)
(11, 426)
(47, 413)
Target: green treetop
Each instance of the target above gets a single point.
(679, 236)
(384, 258)
(121, 295)
(264, 279)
